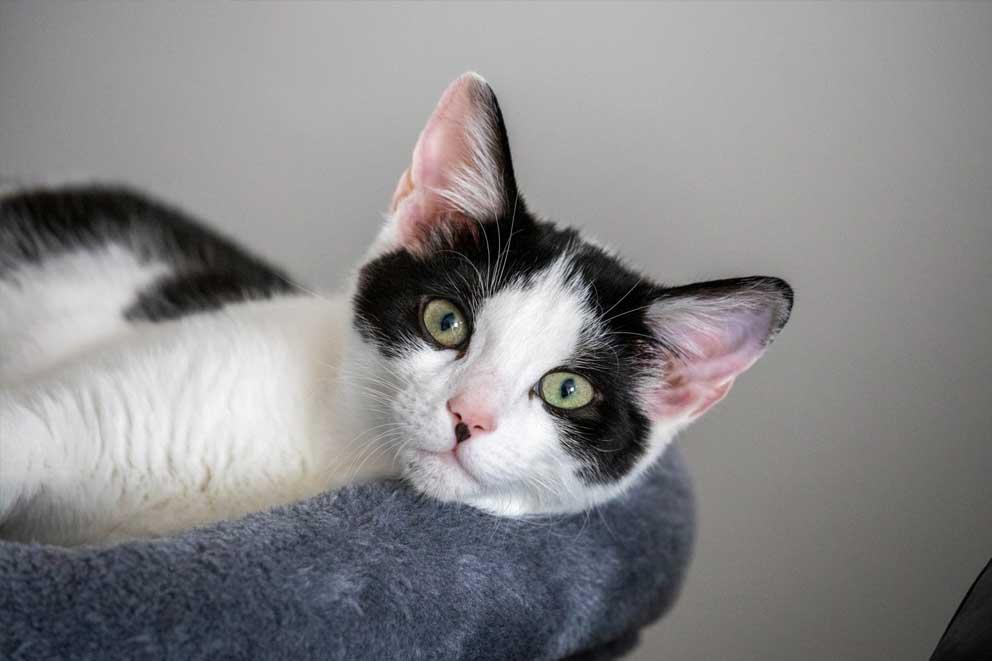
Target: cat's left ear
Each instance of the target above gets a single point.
(460, 174)
(710, 333)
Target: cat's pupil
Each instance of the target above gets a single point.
(567, 388)
(448, 321)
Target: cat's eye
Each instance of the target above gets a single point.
(565, 390)
(445, 323)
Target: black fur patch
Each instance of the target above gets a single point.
(206, 269)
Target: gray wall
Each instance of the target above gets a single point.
(844, 485)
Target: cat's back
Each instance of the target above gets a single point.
(81, 266)
(180, 423)
(169, 377)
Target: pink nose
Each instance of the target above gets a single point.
(470, 417)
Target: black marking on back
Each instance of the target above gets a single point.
(207, 270)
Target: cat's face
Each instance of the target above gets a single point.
(514, 365)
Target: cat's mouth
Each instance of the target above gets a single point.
(450, 460)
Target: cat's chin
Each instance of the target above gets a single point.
(449, 464)
(441, 475)
(444, 477)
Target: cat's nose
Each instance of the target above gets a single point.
(470, 416)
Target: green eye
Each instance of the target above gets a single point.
(445, 323)
(565, 390)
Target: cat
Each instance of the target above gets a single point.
(154, 376)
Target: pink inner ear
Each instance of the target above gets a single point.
(451, 178)
(411, 214)
(716, 348)
(444, 143)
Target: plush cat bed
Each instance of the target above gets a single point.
(370, 572)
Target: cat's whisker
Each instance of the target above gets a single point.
(582, 528)
(482, 281)
(380, 443)
(620, 300)
(651, 338)
(501, 264)
(485, 238)
(632, 310)
(359, 436)
(370, 377)
(295, 284)
(594, 507)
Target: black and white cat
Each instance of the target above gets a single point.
(154, 377)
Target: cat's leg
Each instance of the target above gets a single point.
(50, 464)
(25, 445)
(181, 424)
(16, 460)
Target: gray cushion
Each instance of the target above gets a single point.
(369, 572)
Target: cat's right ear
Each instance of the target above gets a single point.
(460, 175)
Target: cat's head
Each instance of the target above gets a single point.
(513, 364)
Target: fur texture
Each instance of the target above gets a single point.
(148, 363)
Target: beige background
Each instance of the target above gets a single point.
(844, 489)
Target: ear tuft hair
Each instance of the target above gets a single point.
(461, 172)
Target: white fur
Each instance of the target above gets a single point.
(65, 305)
(177, 425)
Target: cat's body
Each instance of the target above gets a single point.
(147, 413)
(153, 376)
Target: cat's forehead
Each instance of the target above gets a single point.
(529, 282)
(536, 322)
(559, 299)
(558, 255)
